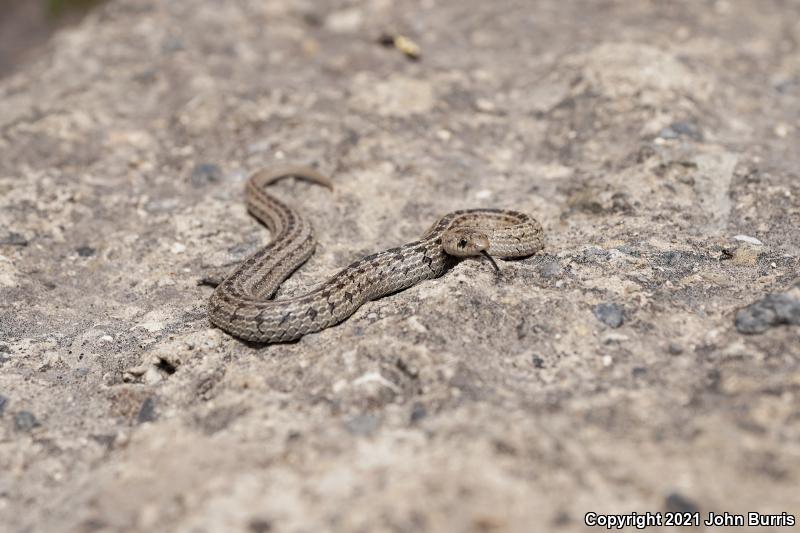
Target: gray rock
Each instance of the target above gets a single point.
(205, 173)
(25, 421)
(773, 310)
(676, 502)
(3, 403)
(674, 348)
(681, 129)
(364, 424)
(85, 251)
(612, 315)
(14, 239)
(147, 413)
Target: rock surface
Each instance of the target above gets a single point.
(644, 135)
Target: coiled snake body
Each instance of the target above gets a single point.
(242, 304)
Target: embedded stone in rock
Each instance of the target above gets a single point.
(612, 315)
(773, 310)
(24, 421)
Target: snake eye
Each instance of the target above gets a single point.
(462, 243)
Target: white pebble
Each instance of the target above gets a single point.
(748, 239)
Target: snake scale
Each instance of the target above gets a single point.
(243, 306)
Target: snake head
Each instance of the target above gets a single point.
(465, 242)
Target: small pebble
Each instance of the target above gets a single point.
(677, 503)
(25, 421)
(3, 403)
(363, 424)
(147, 413)
(612, 315)
(85, 251)
(538, 362)
(674, 348)
(418, 412)
(205, 173)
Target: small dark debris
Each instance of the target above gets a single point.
(773, 310)
(674, 348)
(504, 448)
(677, 503)
(538, 362)
(418, 412)
(25, 421)
(85, 251)
(561, 518)
(365, 424)
(681, 129)
(259, 525)
(639, 371)
(147, 413)
(205, 173)
(3, 403)
(14, 239)
(104, 440)
(612, 315)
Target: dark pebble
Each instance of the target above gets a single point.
(205, 173)
(24, 421)
(612, 315)
(677, 503)
(418, 412)
(3, 403)
(259, 525)
(14, 239)
(681, 129)
(147, 413)
(674, 348)
(363, 424)
(85, 251)
(639, 371)
(773, 310)
(538, 362)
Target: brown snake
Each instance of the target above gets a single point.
(242, 304)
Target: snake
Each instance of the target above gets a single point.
(244, 306)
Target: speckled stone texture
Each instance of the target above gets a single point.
(656, 141)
